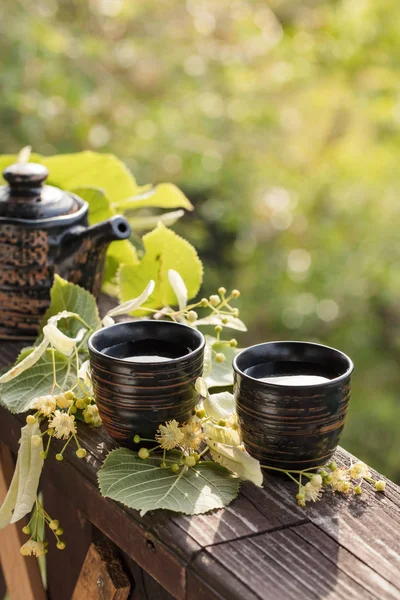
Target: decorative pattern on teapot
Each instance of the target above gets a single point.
(33, 249)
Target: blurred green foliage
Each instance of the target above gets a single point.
(279, 119)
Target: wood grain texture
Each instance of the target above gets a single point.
(300, 561)
(262, 546)
(102, 576)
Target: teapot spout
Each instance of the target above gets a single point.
(115, 228)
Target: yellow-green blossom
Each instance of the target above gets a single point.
(63, 424)
(170, 435)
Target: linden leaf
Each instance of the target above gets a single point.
(143, 485)
(164, 195)
(17, 394)
(70, 297)
(164, 250)
(92, 169)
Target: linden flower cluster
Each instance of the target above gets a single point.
(36, 545)
(60, 411)
(337, 479)
(187, 438)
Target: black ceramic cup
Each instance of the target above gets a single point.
(143, 374)
(291, 426)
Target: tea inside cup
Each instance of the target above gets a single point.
(291, 399)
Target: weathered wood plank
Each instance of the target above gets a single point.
(348, 563)
(286, 565)
(154, 542)
(209, 579)
(102, 575)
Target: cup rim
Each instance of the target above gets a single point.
(170, 361)
(333, 381)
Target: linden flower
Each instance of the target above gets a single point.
(45, 405)
(33, 548)
(358, 470)
(170, 435)
(312, 492)
(91, 415)
(340, 480)
(63, 424)
(192, 435)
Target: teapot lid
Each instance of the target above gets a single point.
(25, 196)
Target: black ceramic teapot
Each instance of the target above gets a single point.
(43, 231)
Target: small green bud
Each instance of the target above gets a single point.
(380, 486)
(192, 316)
(174, 467)
(88, 400)
(190, 461)
(358, 490)
(218, 328)
(300, 496)
(323, 473)
(59, 531)
(222, 423)
(224, 320)
(204, 302)
(221, 291)
(214, 300)
(43, 454)
(235, 312)
(233, 343)
(332, 466)
(328, 479)
(72, 410)
(136, 439)
(80, 403)
(26, 530)
(201, 414)
(220, 357)
(61, 545)
(143, 453)
(59, 457)
(30, 420)
(163, 464)
(69, 395)
(81, 453)
(54, 524)
(36, 441)
(235, 293)
(196, 456)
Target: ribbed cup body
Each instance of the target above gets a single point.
(135, 398)
(292, 427)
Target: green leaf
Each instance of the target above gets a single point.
(164, 250)
(68, 296)
(218, 374)
(164, 195)
(22, 493)
(92, 169)
(17, 394)
(143, 485)
(119, 252)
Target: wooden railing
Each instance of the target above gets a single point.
(263, 546)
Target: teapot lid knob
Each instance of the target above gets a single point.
(25, 174)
